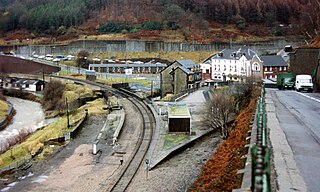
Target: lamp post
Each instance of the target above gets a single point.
(29, 46)
(68, 125)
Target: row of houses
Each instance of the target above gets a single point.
(32, 85)
(235, 64)
(229, 64)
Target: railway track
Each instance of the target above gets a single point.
(140, 151)
(121, 181)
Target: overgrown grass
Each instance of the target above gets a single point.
(3, 108)
(55, 130)
(173, 140)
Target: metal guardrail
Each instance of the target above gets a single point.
(260, 152)
(256, 173)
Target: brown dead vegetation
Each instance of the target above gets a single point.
(220, 172)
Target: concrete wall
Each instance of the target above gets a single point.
(180, 84)
(166, 81)
(101, 46)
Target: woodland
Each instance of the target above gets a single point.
(256, 17)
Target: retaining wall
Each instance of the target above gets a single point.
(102, 46)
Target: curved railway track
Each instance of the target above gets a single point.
(140, 151)
(122, 181)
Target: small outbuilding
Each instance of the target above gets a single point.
(32, 85)
(179, 119)
(91, 75)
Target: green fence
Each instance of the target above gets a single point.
(260, 151)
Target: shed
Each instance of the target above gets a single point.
(179, 119)
(90, 75)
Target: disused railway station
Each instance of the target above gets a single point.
(148, 68)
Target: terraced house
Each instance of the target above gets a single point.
(180, 77)
(229, 64)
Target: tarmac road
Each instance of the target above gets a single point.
(299, 118)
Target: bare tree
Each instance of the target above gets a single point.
(52, 95)
(221, 105)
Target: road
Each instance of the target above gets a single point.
(299, 117)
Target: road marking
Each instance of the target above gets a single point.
(309, 97)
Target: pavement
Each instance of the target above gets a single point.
(161, 147)
(288, 175)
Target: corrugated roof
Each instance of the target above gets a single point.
(26, 81)
(273, 61)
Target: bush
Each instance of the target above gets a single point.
(52, 94)
(151, 26)
(111, 27)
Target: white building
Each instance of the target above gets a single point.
(32, 85)
(229, 64)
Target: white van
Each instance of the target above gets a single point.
(304, 82)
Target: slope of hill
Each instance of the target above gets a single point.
(248, 17)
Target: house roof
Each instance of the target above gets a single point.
(187, 63)
(28, 81)
(273, 61)
(284, 55)
(178, 111)
(185, 70)
(236, 53)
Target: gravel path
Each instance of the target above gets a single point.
(179, 172)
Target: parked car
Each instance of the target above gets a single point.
(61, 58)
(70, 57)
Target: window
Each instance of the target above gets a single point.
(207, 71)
(256, 67)
(27, 85)
(280, 68)
(270, 68)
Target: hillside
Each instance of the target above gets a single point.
(195, 20)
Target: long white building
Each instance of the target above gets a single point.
(229, 64)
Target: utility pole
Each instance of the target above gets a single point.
(43, 73)
(151, 88)
(67, 113)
